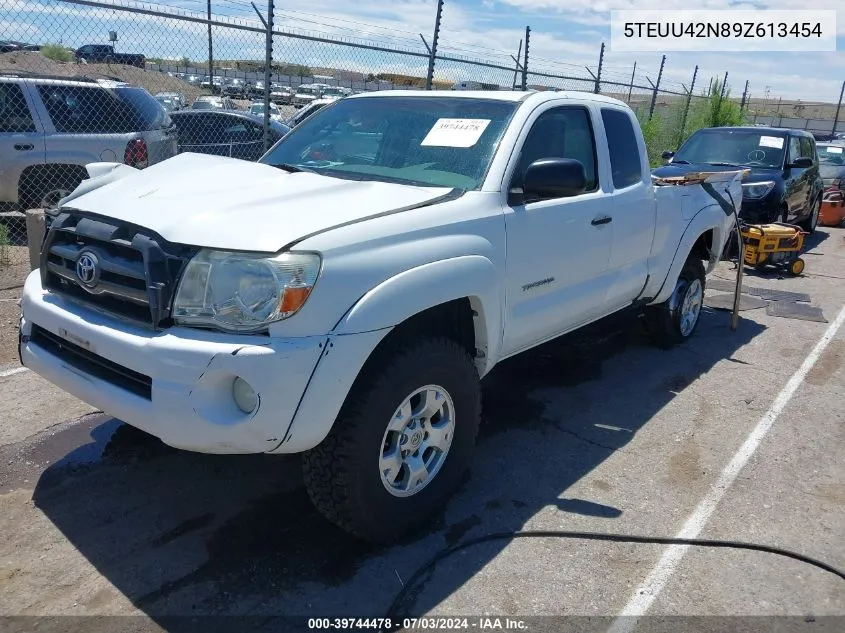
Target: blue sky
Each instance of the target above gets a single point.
(566, 37)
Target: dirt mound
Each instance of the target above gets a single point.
(34, 62)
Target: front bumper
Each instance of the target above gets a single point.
(177, 384)
(759, 210)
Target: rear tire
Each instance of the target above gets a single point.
(676, 319)
(350, 477)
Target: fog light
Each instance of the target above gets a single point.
(244, 395)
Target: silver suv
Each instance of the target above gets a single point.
(50, 128)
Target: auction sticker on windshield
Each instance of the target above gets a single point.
(834, 150)
(456, 132)
(771, 141)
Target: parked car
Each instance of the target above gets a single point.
(177, 97)
(50, 128)
(334, 92)
(343, 297)
(193, 79)
(169, 104)
(305, 94)
(105, 54)
(832, 168)
(236, 88)
(207, 102)
(306, 111)
(784, 184)
(281, 95)
(257, 109)
(213, 84)
(7, 46)
(233, 134)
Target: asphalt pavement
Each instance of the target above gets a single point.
(736, 435)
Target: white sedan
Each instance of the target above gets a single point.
(257, 109)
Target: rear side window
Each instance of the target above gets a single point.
(625, 161)
(14, 113)
(97, 110)
(149, 113)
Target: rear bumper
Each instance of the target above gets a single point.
(177, 384)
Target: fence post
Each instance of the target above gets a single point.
(525, 60)
(268, 73)
(429, 79)
(715, 121)
(210, 52)
(598, 72)
(838, 106)
(516, 65)
(631, 87)
(686, 108)
(744, 96)
(656, 88)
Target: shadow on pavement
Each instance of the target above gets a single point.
(188, 534)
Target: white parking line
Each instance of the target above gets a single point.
(648, 591)
(12, 372)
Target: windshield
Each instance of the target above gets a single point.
(427, 141)
(831, 154)
(333, 91)
(733, 147)
(307, 90)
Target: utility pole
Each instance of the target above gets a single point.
(429, 79)
(210, 52)
(838, 107)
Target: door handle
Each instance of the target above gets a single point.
(21, 147)
(602, 220)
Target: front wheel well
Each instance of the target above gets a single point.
(458, 320)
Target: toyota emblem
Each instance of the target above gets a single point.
(88, 269)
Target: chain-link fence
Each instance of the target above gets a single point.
(84, 81)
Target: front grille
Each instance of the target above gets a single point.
(92, 364)
(136, 270)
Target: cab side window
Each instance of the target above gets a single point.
(563, 132)
(625, 161)
(808, 148)
(794, 148)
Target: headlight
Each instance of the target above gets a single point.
(243, 292)
(757, 189)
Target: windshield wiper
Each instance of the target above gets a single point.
(723, 164)
(292, 168)
(680, 162)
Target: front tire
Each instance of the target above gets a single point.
(402, 442)
(811, 223)
(676, 319)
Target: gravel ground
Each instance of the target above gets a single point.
(9, 314)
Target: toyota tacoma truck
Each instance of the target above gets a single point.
(343, 297)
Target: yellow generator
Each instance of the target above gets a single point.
(777, 244)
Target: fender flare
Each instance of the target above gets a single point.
(417, 289)
(700, 224)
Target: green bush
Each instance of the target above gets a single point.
(57, 52)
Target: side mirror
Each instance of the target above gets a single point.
(802, 162)
(553, 178)
(667, 154)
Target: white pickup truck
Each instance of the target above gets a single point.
(343, 297)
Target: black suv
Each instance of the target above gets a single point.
(784, 184)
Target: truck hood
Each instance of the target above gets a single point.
(756, 174)
(231, 204)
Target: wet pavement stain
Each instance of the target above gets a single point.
(565, 362)
(458, 530)
(278, 541)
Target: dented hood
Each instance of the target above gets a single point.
(232, 204)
